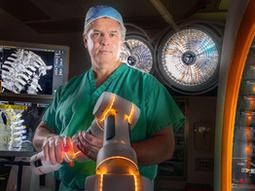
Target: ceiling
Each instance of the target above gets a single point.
(66, 16)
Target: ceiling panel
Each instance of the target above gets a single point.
(24, 10)
(60, 9)
(58, 26)
(64, 16)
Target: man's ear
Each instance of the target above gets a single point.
(85, 42)
(123, 44)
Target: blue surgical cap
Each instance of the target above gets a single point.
(100, 11)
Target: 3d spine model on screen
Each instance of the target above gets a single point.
(12, 128)
(21, 72)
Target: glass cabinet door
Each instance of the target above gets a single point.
(243, 161)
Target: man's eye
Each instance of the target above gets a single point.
(95, 34)
(112, 34)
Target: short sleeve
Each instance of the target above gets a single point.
(162, 111)
(50, 114)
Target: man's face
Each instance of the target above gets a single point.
(104, 42)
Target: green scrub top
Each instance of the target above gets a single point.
(71, 111)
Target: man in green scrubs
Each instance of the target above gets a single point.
(70, 113)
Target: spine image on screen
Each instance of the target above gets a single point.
(25, 71)
(13, 132)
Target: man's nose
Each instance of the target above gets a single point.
(105, 40)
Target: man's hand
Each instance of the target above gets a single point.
(88, 144)
(53, 149)
(51, 144)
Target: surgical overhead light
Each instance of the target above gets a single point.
(189, 60)
(137, 53)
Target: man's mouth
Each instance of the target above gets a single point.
(105, 51)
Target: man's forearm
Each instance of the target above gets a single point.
(157, 149)
(42, 132)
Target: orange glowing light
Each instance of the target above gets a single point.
(252, 104)
(249, 118)
(76, 154)
(248, 149)
(131, 170)
(108, 110)
(137, 183)
(101, 181)
(131, 115)
(69, 152)
(248, 135)
(101, 172)
(247, 132)
(137, 180)
(99, 124)
(253, 88)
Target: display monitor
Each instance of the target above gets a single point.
(18, 121)
(32, 69)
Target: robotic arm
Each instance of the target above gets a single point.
(117, 167)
